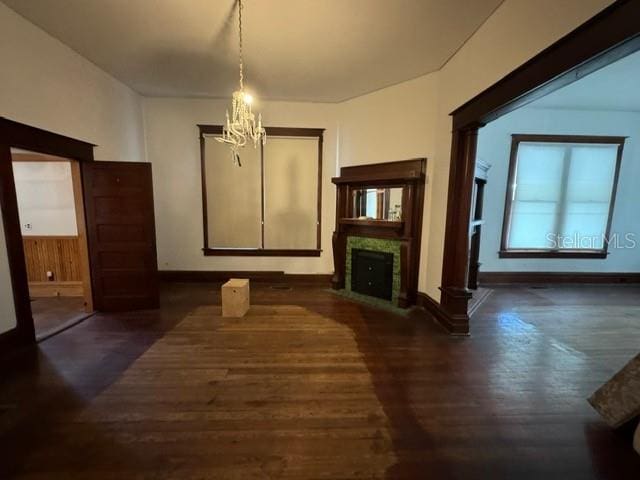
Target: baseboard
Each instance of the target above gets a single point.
(255, 276)
(56, 289)
(498, 278)
(441, 316)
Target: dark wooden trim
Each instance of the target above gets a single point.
(518, 138)
(476, 233)
(35, 139)
(455, 295)
(410, 176)
(607, 37)
(383, 174)
(604, 139)
(256, 276)
(540, 253)
(210, 130)
(435, 310)
(262, 252)
(320, 185)
(203, 179)
(372, 223)
(497, 278)
(14, 134)
(259, 252)
(294, 132)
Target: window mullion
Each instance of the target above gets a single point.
(561, 217)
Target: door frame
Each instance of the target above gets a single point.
(607, 37)
(18, 135)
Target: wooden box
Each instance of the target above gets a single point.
(235, 297)
(618, 400)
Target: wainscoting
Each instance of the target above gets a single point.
(59, 255)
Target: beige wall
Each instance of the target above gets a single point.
(395, 123)
(45, 84)
(173, 149)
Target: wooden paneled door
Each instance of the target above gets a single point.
(118, 199)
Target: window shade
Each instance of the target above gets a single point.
(234, 202)
(562, 195)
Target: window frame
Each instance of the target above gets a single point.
(516, 139)
(262, 252)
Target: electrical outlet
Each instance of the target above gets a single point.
(28, 226)
(50, 276)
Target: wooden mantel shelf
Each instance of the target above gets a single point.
(371, 223)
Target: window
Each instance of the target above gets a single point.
(270, 206)
(560, 196)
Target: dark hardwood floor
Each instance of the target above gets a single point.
(51, 314)
(312, 386)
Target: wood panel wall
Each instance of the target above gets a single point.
(57, 254)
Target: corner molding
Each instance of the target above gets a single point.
(451, 323)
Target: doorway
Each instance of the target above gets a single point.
(609, 36)
(52, 224)
(115, 226)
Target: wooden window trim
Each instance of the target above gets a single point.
(516, 139)
(262, 252)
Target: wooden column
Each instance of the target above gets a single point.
(455, 295)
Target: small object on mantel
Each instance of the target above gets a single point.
(618, 400)
(636, 439)
(235, 297)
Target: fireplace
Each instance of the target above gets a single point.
(372, 273)
(376, 244)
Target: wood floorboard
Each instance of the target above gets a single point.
(312, 386)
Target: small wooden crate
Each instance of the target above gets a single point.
(235, 297)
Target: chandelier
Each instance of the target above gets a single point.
(241, 126)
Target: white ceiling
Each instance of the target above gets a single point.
(614, 87)
(311, 50)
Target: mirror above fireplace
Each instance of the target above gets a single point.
(376, 203)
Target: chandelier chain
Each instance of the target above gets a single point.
(241, 125)
(240, 44)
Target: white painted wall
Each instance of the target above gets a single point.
(494, 145)
(174, 151)
(45, 198)
(395, 123)
(45, 84)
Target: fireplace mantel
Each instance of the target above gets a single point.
(408, 174)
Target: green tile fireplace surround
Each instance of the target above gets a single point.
(382, 245)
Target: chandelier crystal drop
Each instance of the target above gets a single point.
(241, 126)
